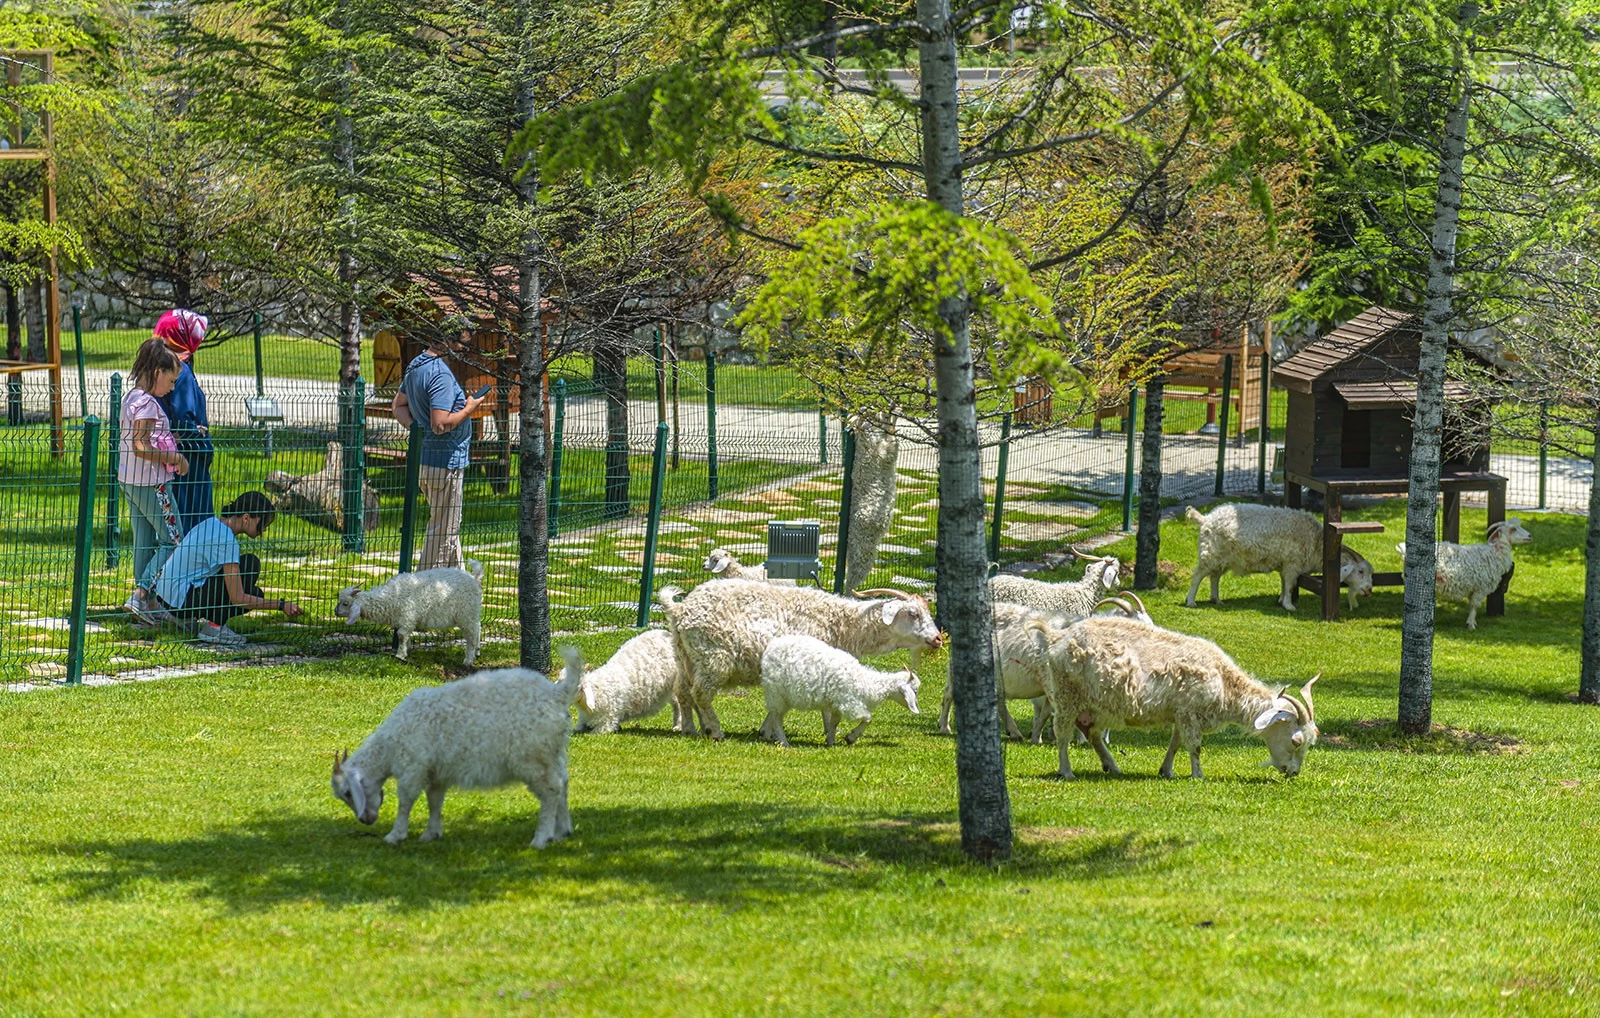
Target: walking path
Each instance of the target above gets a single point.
(1069, 457)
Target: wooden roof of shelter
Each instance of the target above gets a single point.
(1349, 340)
(1355, 338)
(1392, 395)
(482, 303)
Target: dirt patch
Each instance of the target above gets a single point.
(1385, 734)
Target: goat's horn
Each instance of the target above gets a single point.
(1087, 557)
(1305, 691)
(867, 595)
(1123, 606)
(1129, 593)
(1300, 711)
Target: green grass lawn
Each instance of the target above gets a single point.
(172, 848)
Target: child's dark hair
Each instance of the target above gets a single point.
(252, 503)
(153, 358)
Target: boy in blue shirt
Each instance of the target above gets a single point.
(208, 581)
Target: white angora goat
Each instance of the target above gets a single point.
(1243, 538)
(432, 599)
(1471, 572)
(803, 673)
(499, 727)
(638, 680)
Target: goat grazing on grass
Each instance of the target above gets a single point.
(1243, 538)
(442, 598)
(1112, 673)
(499, 727)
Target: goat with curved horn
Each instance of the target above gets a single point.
(1088, 557)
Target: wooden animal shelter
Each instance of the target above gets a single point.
(484, 346)
(1198, 375)
(1352, 394)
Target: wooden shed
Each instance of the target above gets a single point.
(485, 353)
(1351, 398)
(1352, 395)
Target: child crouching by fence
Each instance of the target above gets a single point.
(207, 581)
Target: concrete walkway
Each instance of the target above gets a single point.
(1069, 457)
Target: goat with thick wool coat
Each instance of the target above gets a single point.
(1115, 673)
(1077, 598)
(1471, 572)
(721, 629)
(637, 681)
(499, 727)
(442, 598)
(1243, 538)
(803, 673)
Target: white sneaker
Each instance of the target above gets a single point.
(219, 636)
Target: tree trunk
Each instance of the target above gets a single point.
(1589, 683)
(38, 348)
(830, 46)
(13, 325)
(1416, 630)
(962, 557)
(533, 539)
(349, 307)
(1147, 543)
(611, 374)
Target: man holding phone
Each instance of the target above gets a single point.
(430, 395)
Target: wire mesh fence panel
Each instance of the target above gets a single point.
(38, 516)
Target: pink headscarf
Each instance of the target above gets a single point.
(182, 329)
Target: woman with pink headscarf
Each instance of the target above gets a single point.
(182, 330)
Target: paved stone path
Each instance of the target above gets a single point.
(1072, 457)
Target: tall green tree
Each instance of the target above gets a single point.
(1446, 102)
(922, 257)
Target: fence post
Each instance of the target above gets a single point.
(845, 497)
(1222, 431)
(661, 379)
(554, 527)
(83, 547)
(354, 471)
(1130, 429)
(822, 437)
(261, 388)
(1000, 487)
(408, 513)
(711, 422)
(77, 335)
(658, 476)
(113, 464)
(1264, 428)
(1544, 449)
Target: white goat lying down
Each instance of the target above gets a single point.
(1471, 572)
(1243, 538)
(723, 564)
(1022, 638)
(446, 598)
(499, 727)
(803, 673)
(1113, 673)
(638, 680)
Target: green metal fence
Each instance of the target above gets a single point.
(644, 482)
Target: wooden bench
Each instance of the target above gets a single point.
(1196, 375)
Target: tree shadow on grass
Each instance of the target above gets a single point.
(727, 854)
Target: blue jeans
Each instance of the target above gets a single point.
(155, 529)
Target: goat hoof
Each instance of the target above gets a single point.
(428, 836)
(394, 839)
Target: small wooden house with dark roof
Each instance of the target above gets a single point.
(1352, 395)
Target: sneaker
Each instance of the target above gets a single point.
(219, 636)
(148, 612)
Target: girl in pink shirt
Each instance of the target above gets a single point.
(148, 460)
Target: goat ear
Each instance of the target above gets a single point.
(1298, 739)
(355, 612)
(890, 610)
(338, 765)
(1271, 716)
(358, 794)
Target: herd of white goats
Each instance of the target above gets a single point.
(803, 647)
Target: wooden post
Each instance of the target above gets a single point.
(1496, 604)
(1332, 540)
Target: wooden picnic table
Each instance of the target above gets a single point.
(1336, 484)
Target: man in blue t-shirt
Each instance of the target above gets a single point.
(430, 395)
